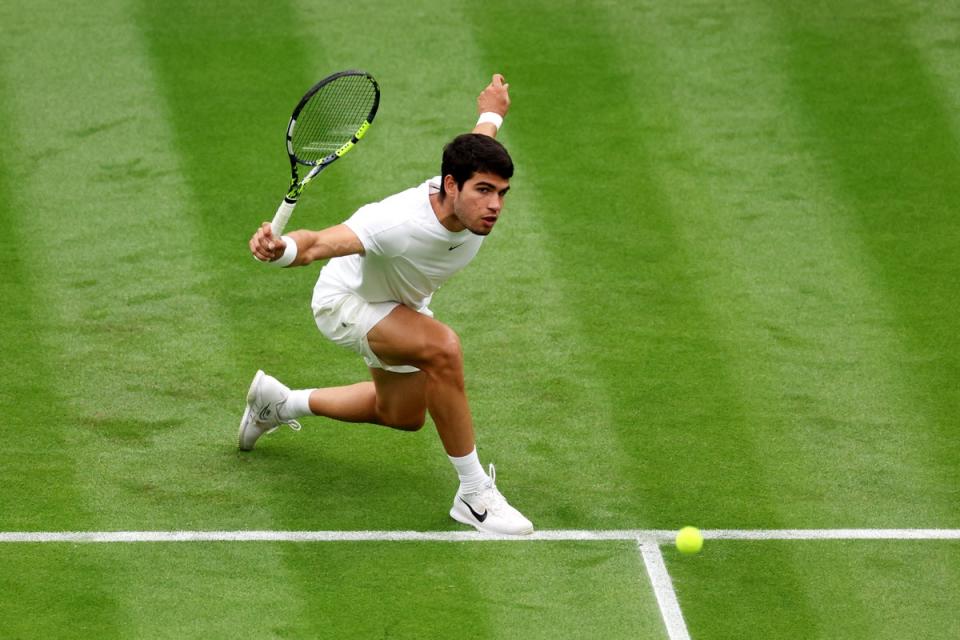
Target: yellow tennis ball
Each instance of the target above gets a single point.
(689, 540)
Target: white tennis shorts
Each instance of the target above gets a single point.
(345, 318)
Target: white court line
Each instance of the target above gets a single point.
(663, 590)
(832, 534)
(659, 536)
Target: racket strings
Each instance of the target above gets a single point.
(332, 116)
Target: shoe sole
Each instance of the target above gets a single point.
(251, 396)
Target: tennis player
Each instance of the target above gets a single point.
(385, 263)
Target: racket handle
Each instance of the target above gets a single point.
(282, 216)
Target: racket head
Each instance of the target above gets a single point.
(332, 117)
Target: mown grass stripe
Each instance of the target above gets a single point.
(227, 77)
(889, 144)
(38, 478)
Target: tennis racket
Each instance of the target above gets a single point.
(327, 123)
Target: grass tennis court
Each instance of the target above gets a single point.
(725, 292)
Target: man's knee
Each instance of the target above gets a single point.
(445, 353)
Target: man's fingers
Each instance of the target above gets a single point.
(257, 249)
(497, 80)
(264, 245)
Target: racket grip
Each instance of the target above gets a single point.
(282, 216)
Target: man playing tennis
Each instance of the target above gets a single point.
(385, 263)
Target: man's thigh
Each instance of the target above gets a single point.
(405, 337)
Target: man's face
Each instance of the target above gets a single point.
(477, 205)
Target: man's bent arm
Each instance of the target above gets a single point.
(332, 242)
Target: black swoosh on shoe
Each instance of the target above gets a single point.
(480, 517)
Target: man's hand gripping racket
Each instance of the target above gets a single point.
(327, 123)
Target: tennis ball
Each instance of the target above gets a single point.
(689, 540)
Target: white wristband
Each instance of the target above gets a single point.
(289, 253)
(493, 118)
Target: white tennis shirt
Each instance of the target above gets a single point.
(408, 254)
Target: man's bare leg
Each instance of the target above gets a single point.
(408, 337)
(411, 338)
(351, 403)
(400, 400)
(394, 400)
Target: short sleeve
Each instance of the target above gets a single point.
(380, 233)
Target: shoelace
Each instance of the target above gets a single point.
(293, 424)
(490, 495)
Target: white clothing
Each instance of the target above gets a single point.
(407, 256)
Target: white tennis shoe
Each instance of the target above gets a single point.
(488, 511)
(265, 399)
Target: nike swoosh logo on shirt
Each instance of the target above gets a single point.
(456, 245)
(479, 516)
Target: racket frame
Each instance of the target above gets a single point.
(297, 185)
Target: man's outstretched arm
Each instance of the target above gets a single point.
(332, 242)
(495, 98)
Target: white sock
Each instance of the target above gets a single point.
(297, 405)
(472, 475)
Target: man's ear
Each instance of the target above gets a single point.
(450, 185)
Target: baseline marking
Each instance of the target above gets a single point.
(658, 536)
